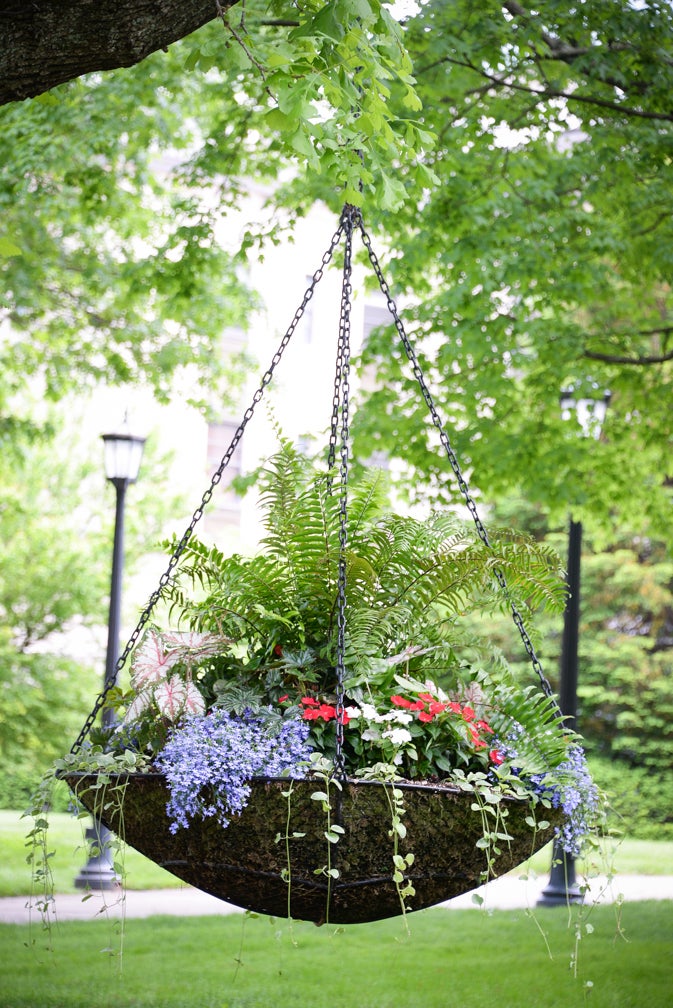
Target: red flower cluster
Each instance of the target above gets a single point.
(429, 707)
(316, 711)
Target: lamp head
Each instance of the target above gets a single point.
(123, 454)
(589, 407)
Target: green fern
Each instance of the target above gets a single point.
(409, 582)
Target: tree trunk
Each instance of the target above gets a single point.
(47, 42)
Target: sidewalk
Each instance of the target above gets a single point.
(508, 893)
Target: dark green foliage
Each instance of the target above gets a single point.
(642, 800)
(627, 654)
(625, 685)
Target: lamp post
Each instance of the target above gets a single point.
(123, 454)
(590, 413)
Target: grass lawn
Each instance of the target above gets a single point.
(66, 840)
(452, 959)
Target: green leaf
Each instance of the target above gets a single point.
(8, 248)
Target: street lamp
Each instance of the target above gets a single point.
(590, 412)
(123, 454)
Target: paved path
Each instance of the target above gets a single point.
(506, 893)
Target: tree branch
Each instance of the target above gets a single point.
(547, 92)
(48, 42)
(643, 361)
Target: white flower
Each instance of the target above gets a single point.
(352, 712)
(370, 713)
(398, 716)
(398, 736)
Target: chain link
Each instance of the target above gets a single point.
(205, 500)
(453, 460)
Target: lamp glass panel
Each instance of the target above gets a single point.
(123, 453)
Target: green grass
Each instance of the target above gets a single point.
(452, 959)
(66, 840)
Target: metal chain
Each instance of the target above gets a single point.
(205, 500)
(349, 218)
(446, 443)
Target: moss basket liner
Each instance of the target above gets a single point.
(246, 864)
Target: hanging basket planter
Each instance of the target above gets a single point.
(335, 648)
(247, 864)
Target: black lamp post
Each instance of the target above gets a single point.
(590, 412)
(123, 454)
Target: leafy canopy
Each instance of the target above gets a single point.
(533, 238)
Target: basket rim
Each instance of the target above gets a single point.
(438, 787)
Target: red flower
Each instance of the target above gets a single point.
(455, 708)
(436, 707)
(426, 696)
(311, 714)
(400, 701)
(477, 741)
(309, 701)
(283, 698)
(278, 650)
(426, 716)
(468, 713)
(417, 705)
(345, 717)
(496, 757)
(326, 712)
(483, 726)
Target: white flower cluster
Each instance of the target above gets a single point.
(375, 732)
